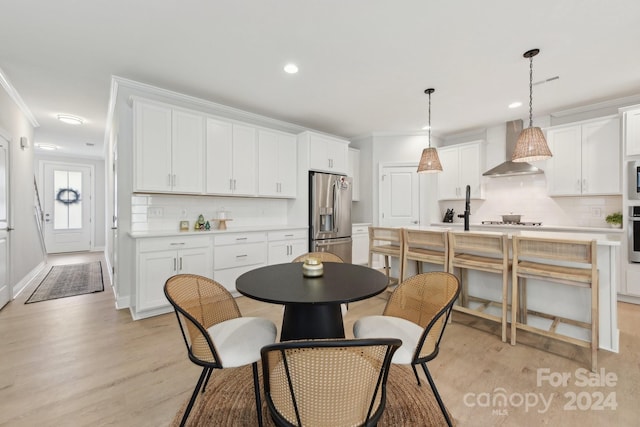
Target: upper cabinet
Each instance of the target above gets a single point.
(354, 173)
(632, 131)
(277, 159)
(169, 148)
(586, 158)
(231, 158)
(461, 166)
(326, 154)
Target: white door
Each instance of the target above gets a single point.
(67, 192)
(399, 196)
(5, 288)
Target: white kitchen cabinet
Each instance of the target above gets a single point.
(235, 254)
(326, 154)
(277, 159)
(354, 173)
(586, 158)
(286, 245)
(231, 158)
(632, 285)
(360, 244)
(631, 131)
(461, 166)
(169, 149)
(160, 258)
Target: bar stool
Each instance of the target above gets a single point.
(482, 251)
(538, 258)
(388, 242)
(430, 246)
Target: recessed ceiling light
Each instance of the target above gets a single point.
(515, 104)
(291, 68)
(48, 147)
(69, 119)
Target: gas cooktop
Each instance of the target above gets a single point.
(524, 223)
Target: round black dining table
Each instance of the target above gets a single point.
(312, 304)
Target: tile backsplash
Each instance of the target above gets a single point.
(527, 196)
(164, 212)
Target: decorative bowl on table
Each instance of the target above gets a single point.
(312, 267)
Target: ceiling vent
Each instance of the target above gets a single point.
(510, 168)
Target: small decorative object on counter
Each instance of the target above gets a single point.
(184, 225)
(614, 220)
(199, 225)
(312, 267)
(207, 226)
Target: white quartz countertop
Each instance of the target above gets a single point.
(230, 229)
(603, 236)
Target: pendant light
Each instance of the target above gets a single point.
(429, 162)
(531, 143)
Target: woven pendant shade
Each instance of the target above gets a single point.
(531, 146)
(430, 162)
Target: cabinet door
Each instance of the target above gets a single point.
(152, 140)
(469, 168)
(564, 169)
(601, 157)
(154, 270)
(219, 157)
(354, 173)
(244, 160)
(360, 249)
(196, 261)
(187, 152)
(279, 252)
(287, 165)
(318, 153)
(632, 132)
(268, 154)
(448, 187)
(337, 153)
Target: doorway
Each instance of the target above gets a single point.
(68, 206)
(399, 196)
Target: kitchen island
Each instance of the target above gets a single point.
(548, 297)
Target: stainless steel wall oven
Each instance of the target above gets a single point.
(634, 233)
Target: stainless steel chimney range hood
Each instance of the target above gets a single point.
(510, 168)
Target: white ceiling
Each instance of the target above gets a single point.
(364, 64)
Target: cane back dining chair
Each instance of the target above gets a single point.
(214, 331)
(538, 258)
(319, 383)
(417, 313)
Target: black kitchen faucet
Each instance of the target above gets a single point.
(467, 209)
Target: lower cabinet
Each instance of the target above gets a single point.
(235, 254)
(162, 257)
(286, 245)
(360, 245)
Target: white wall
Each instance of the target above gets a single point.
(25, 249)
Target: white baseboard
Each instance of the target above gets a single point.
(26, 280)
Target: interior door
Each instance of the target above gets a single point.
(399, 196)
(67, 206)
(5, 287)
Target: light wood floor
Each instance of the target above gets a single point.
(79, 362)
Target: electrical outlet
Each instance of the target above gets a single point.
(596, 212)
(155, 212)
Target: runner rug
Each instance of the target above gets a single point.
(68, 280)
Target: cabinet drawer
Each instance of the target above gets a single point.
(232, 239)
(227, 278)
(238, 255)
(360, 229)
(167, 243)
(287, 234)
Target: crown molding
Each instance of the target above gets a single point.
(15, 96)
(611, 103)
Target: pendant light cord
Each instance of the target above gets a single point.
(531, 91)
(429, 124)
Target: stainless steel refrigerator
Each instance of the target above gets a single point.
(330, 214)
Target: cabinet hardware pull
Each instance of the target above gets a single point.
(242, 256)
(230, 184)
(288, 235)
(175, 265)
(241, 238)
(180, 263)
(176, 243)
(173, 181)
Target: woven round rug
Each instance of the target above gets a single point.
(230, 401)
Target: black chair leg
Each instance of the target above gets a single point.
(193, 397)
(256, 387)
(435, 392)
(206, 381)
(415, 372)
